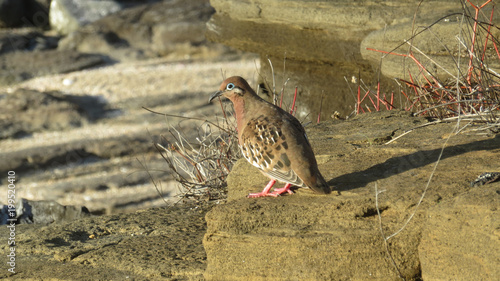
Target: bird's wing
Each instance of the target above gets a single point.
(264, 145)
(285, 176)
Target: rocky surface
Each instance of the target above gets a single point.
(472, 251)
(76, 133)
(20, 66)
(161, 243)
(85, 139)
(172, 29)
(25, 40)
(11, 12)
(325, 43)
(73, 127)
(15, 13)
(28, 111)
(67, 16)
(40, 212)
(454, 232)
(169, 29)
(436, 48)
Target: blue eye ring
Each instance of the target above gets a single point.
(230, 86)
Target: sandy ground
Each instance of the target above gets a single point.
(179, 87)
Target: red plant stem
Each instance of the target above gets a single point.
(488, 34)
(413, 85)
(359, 99)
(404, 55)
(382, 100)
(385, 52)
(364, 97)
(471, 57)
(373, 103)
(406, 96)
(225, 166)
(496, 49)
(385, 103)
(423, 69)
(433, 93)
(378, 96)
(417, 100)
(474, 33)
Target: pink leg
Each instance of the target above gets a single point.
(279, 191)
(264, 192)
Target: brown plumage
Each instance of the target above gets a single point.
(272, 140)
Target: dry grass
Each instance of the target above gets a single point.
(201, 164)
(472, 94)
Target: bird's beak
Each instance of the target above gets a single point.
(214, 95)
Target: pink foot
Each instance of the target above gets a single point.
(279, 191)
(264, 192)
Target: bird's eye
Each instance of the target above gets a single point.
(230, 86)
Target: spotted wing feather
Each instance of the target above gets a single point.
(264, 145)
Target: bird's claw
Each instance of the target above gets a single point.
(277, 192)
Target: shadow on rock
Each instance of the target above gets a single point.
(28, 111)
(400, 164)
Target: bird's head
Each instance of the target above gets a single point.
(233, 88)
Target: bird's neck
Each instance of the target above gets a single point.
(245, 108)
(239, 111)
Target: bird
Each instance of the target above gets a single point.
(272, 140)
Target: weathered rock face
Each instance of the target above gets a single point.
(160, 29)
(441, 49)
(321, 41)
(37, 13)
(460, 240)
(68, 15)
(25, 39)
(299, 237)
(83, 138)
(313, 237)
(32, 13)
(154, 244)
(42, 212)
(20, 66)
(11, 13)
(29, 111)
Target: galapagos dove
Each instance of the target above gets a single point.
(272, 140)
